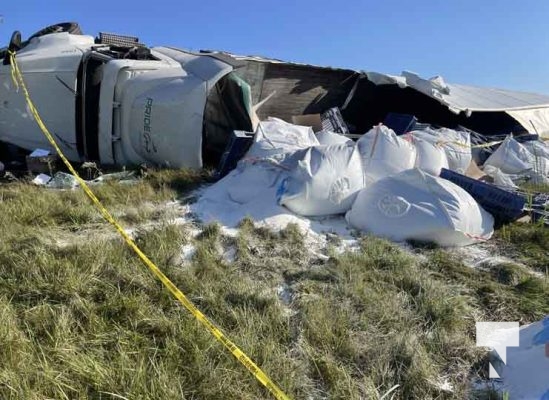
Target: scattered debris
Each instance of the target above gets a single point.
(41, 179)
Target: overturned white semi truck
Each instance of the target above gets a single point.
(113, 100)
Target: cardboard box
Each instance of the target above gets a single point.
(312, 120)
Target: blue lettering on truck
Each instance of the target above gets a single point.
(147, 138)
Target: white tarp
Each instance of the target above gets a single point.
(416, 205)
(534, 120)
(465, 98)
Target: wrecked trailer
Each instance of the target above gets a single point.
(366, 98)
(113, 100)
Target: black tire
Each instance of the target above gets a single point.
(15, 41)
(15, 45)
(71, 27)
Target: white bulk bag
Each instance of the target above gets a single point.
(276, 136)
(253, 181)
(383, 153)
(538, 148)
(416, 205)
(328, 138)
(456, 145)
(431, 157)
(511, 157)
(324, 182)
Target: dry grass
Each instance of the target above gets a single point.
(87, 321)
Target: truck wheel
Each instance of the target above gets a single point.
(71, 27)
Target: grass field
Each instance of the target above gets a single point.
(83, 319)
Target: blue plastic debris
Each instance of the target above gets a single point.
(505, 206)
(237, 146)
(400, 123)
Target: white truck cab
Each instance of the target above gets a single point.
(113, 100)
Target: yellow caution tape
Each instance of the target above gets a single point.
(261, 376)
(474, 146)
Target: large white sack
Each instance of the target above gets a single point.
(511, 157)
(538, 148)
(383, 153)
(324, 182)
(540, 151)
(327, 138)
(275, 136)
(430, 157)
(253, 181)
(419, 206)
(456, 145)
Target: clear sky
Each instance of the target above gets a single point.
(496, 43)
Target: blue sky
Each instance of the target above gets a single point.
(497, 43)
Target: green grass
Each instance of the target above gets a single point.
(85, 320)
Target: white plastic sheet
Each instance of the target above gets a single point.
(416, 205)
(500, 178)
(41, 179)
(324, 182)
(534, 120)
(383, 153)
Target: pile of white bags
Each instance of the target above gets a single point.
(290, 172)
(324, 182)
(419, 206)
(383, 153)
